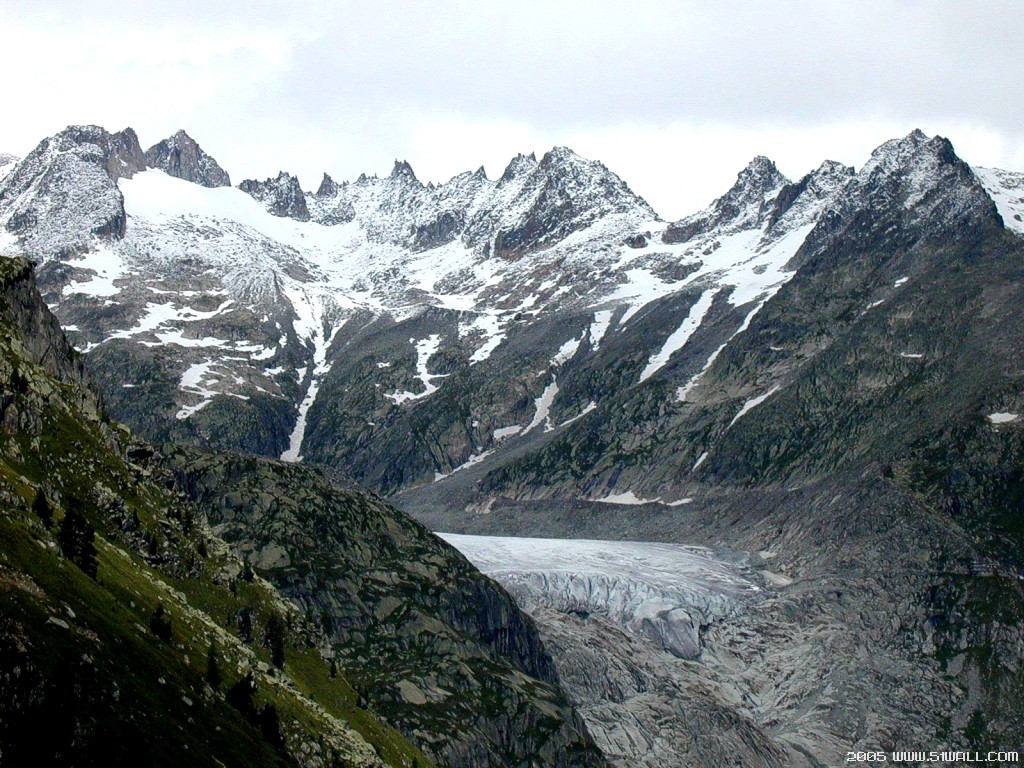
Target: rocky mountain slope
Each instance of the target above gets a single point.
(439, 322)
(859, 436)
(822, 374)
(172, 606)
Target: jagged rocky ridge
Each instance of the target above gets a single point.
(787, 360)
(429, 643)
(135, 695)
(861, 434)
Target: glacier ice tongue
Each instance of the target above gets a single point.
(664, 593)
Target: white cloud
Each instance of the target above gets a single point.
(673, 96)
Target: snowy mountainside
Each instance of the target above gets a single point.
(244, 291)
(1007, 190)
(454, 327)
(727, 368)
(7, 163)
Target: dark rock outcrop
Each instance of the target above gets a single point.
(461, 670)
(282, 196)
(180, 156)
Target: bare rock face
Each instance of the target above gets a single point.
(282, 196)
(64, 194)
(459, 669)
(180, 156)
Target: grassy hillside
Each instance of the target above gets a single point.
(129, 634)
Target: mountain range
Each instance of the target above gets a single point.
(823, 375)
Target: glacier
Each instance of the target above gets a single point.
(666, 594)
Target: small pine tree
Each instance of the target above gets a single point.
(275, 639)
(77, 539)
(270, 725)
(245, 627)
(213, 676)
(41, 506)
(240, 696)
(160, 624)
(327, 623)
(334, 667)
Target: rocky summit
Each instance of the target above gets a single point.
(806, 397)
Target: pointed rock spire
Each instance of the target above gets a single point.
(402, 170)
(180, 156)
(519, 166)
(124, 155)
(328, 187)
(755, 181)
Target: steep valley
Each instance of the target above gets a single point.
(755, 474)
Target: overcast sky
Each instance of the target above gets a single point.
(675, 97)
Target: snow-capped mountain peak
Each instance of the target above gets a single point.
(745, 205)
(894, 153)
(921, 185)
(249, 291)
(759, 177)
(520, 165)
(402, 170)
(181, 156)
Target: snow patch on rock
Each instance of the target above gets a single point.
(1002, 417)
(677, 340)
(626, 497)
(425, 349)
(752, 403)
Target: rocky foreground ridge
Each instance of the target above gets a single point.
(167, 606)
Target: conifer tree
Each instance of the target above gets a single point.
(77, 539)
(270, 725)
(275, 639)
(41, 506)
(213, 676)
(160, 623)
(240, 696)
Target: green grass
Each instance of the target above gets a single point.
(120, 694)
